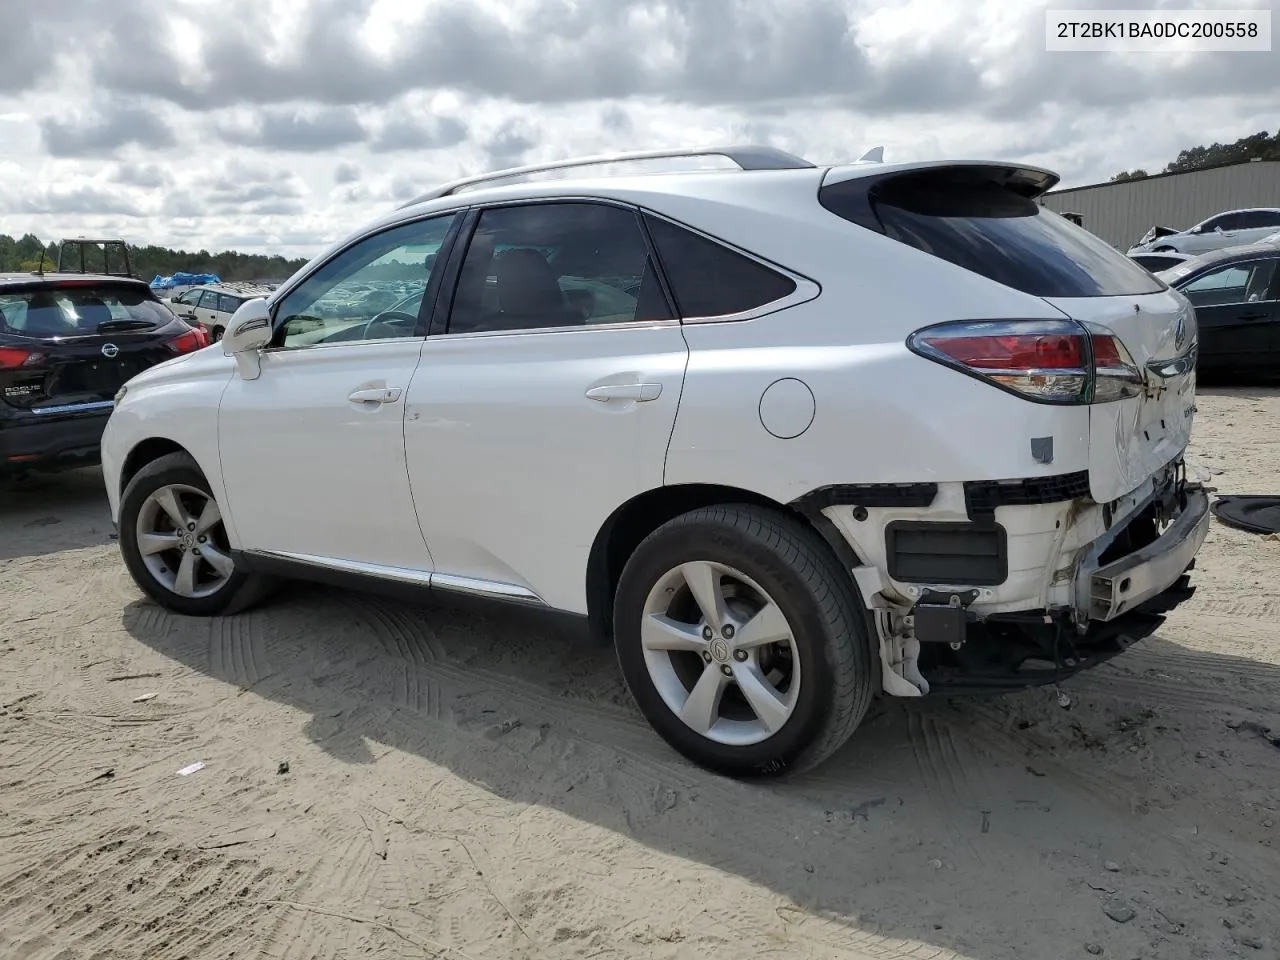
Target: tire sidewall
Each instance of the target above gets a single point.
(173, 469)
(719, 543)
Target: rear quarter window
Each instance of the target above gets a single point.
(708, 279)
(992, 231)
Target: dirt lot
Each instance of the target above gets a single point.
(468, 787)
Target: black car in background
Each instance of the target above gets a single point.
(68, 342)
(1236, 293)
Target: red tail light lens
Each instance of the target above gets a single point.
(1037, 351)
(15, 358)
(187, 342)
(1050, 361)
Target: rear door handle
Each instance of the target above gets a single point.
(640, 392)
(375, 395)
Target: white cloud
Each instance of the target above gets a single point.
(281, 124)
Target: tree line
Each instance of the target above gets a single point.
(23, 255)
(1262, 146)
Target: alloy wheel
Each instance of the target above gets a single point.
(720, 653)
(182, 541)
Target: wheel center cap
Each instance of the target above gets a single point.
(188, 540)
(720, 650)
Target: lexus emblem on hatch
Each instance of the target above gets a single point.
(109, 350)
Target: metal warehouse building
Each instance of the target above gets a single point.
(1121, 213)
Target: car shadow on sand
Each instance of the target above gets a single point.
(973, 825)
(45, 513)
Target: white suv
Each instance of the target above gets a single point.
(790, 436)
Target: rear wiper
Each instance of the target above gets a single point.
(114, 325)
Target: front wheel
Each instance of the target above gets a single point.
(742, 642)
(175, 545)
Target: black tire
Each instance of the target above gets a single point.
(831, 630)
(216, 334)
(240, 590)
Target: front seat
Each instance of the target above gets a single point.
(529, 296)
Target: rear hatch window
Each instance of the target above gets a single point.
(966, 216)
(56, 312)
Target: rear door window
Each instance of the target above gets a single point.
(986, 228)
(1238, 283)
(1261, 219)
(48, 311)
(708, 279)
(227, 304)
(564, 264)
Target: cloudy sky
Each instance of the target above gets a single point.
(277, 125)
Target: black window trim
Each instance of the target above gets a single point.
(426, 311)
(453, 270)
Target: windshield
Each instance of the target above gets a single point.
(51, 311)
(1008, 238)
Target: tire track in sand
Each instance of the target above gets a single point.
(237, 653)
(128, 892)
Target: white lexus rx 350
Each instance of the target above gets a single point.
(788, 436)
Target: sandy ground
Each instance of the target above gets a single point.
(468, 787)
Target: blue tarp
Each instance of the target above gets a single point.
(184, 280)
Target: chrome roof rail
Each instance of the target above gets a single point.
(747, 157)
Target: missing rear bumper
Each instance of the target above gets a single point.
(1130, 581)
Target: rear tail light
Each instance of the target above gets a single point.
(187, 342)
(15, 358)
(1049, 361)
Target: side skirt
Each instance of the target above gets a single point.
(414, 586)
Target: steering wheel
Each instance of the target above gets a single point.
(392, 318)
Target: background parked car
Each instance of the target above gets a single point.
(210, 307)
(67, 344)
(1233, 228)
(1236, 293)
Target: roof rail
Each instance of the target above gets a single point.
(746, 156)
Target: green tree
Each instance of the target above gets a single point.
(1257, 146)
(23, 255)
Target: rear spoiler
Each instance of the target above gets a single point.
(851, 191)
(1027, 181)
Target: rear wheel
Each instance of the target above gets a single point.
(216, 334)
(742, 642)
(175, 544)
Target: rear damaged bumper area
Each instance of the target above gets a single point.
(1023, 585)
(51, 441)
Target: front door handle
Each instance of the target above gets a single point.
(1253, 316)
(640, 392)
(375, 395)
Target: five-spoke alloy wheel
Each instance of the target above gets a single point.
(175, 544)
(720, 653)
(742, 641)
